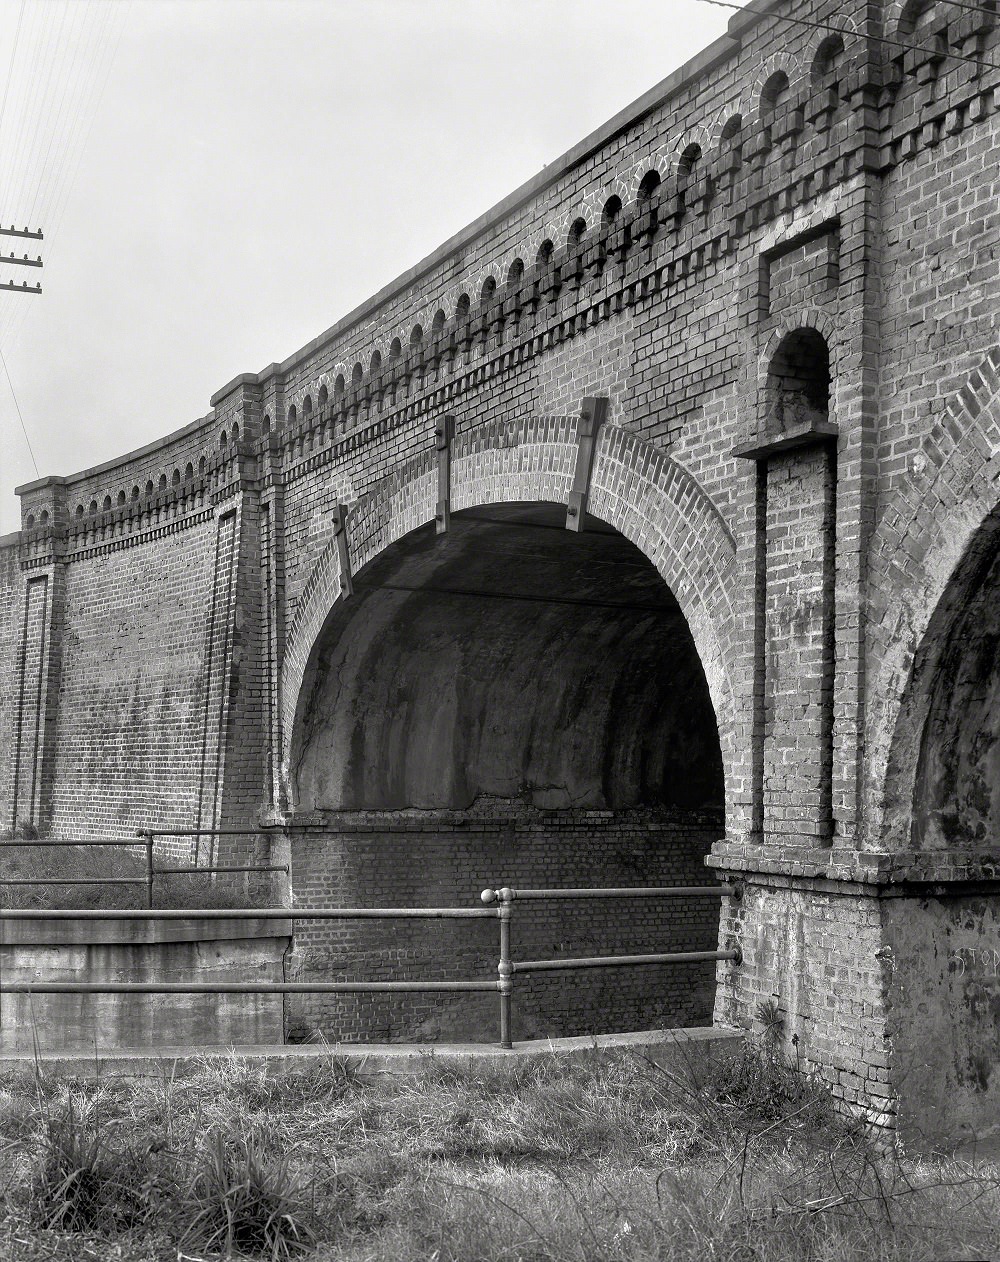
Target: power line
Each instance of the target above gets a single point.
(10, 67)
(19, 416)
(74, 94)
(882, 39)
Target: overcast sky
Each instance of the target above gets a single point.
(220, 180)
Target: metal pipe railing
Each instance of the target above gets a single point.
(497, 904)
(646, 891)
(72, 880)
(250, 913)
(613, 961)
(238, 988)
(145, 837)
(505, 897)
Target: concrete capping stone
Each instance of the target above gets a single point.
(806, 434)
(196, 929)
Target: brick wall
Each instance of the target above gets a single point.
(139, 637)
(846, 189)
(798, 620)
(445, 859)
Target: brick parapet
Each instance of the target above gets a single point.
(860, 117)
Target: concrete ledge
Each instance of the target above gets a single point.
(195, 928)
(682, 1050)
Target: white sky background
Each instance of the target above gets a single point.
(221, 180)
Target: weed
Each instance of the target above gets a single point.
(71, 1171)
(242, 1197)
(539, 1160)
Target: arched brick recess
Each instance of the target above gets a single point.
(927, 531)
(653, 501)
(805, 318)
(671, 152)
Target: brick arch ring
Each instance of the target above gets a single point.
(931, 523)
(640, 491)
(820, 322)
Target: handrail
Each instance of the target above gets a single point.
(238, 988)
(249, 913)
(146, 838)
(505, 897)
(497, 904)
(611, 961)
(645, 891)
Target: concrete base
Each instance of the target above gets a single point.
(682, 1051)
(196, 949)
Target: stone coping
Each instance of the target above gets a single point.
(679, 1049)
(79, 932)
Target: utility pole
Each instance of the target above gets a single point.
(24, 287)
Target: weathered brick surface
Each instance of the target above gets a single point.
(799, 181)
(446, 858)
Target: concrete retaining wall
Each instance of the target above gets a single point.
(195, 950)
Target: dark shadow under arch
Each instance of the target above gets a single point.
(943, 780)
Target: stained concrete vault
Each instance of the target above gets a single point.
(509, 658)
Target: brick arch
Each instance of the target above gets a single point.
(896, 11)
(591, 206)
(619, 187)
(844, 26)
(579, 210)
(784, 62)
(532, 243)
(658, 162)
(929, 530)
(675, 150)
(648, 497)
(740, 108)
(806, 318)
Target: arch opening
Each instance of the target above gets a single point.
(510, 703)
(943, 800)
(956, 790)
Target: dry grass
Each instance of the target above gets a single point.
(539, 1160)
(107, 863)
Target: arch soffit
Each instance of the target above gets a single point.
(649, 497)
(917, 551)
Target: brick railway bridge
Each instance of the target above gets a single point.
(651, 522)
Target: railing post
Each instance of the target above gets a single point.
(505, 898)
